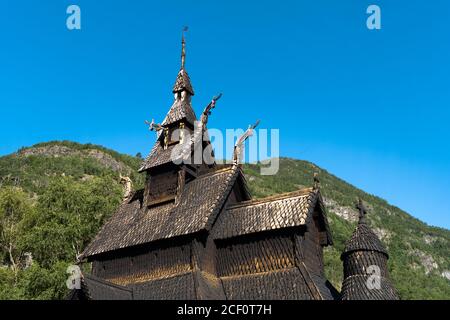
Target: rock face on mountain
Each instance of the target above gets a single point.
(419, 261)
(56, 151)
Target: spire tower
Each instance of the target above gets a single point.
(366, 275)
(183, 48)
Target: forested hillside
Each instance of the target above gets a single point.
(55, 196)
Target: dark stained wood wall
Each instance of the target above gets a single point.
(161, 187)
(204, 254)
(250, 254)
(145, 264)
(311, 246)
(272, 250)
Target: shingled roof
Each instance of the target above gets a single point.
(94, 288)
(173, 153)
(158, 156)
(180, 109)
(286, 210)
(284, 284)
(364, 239)
(183, 82)
(135, 224)
(355, 288)
(364, 250)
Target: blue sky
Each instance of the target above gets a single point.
(371, 107)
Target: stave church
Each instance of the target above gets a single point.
(195, 232)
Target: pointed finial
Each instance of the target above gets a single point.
(316, 181)
(239, 146)
(152, 126)
(166, 138)
(128, 186)
(183, 47)
(362, 211)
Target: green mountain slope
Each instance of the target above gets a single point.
(54, 196)
(420, 254)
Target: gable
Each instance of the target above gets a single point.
(199, 203)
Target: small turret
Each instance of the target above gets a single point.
(366, 276)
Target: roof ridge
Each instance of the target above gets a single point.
(146, 278)
(221, 170)
(310, 281)
(105, 282)
(234, 276)
(221, 200)
(281, 196)
(88, 250)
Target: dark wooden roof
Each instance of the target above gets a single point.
(355, 288)
(183, 82)
(364, 239)
(176, 152)
(362, 250)
(158, 156)
(326, 290)
(180, 286)
(94, 288)
(134, 224)
(185, 286)
(281, 211)
(286, 284)
(180, 109)
(283, 284)
(188, 286)
(209, 287)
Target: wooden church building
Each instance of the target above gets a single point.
(194, 231)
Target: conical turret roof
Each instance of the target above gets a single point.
(180, 109)
(183, 82)
(363, 238)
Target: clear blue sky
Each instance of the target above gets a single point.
(372, 107)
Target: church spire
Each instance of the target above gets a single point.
(316, 181)
(183, 48)
(362, 211)
(183, 83)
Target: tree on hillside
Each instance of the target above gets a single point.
(68, 215)
(64, 219)
(14, 207)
